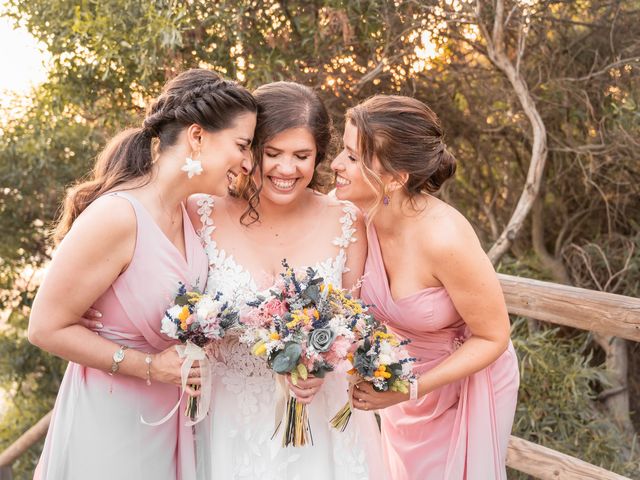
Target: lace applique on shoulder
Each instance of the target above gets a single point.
(348, 230)
(205, 207)
(347, 237)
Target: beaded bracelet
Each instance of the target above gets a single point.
(413, 389)
(148, 359)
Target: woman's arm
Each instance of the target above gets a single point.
(94, 253)
(457, 260)
(460, 263)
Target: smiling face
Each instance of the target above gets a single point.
(288, 165)
(350, 181)
(225, 154)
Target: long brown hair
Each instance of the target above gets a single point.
(196, 96)
(406, 136)
(282, 106)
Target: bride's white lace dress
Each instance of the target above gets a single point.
(234, 441)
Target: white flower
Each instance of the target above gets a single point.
(386, 349)
(169, 328)
(192, 167)
(207, 308)
(385, 359)
(174, 311)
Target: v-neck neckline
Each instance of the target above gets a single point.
(387, 283)
(186, 257)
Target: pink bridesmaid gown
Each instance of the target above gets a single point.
(461, 430)
(96, 432)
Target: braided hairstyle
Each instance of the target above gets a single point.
(406, 136)
(196, 96)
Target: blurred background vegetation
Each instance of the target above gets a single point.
(555, 86)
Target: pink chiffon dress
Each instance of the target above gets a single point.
(96, 432)
(461, 430)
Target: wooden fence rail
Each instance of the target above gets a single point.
(548, 464)
(602, 312)
(550, 302)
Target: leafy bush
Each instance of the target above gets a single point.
(557, 404)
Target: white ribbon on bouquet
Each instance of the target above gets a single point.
(191, 353)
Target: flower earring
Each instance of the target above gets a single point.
(191, 166)
(386, 200)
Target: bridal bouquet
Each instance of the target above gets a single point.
(303, 327)
(197, 320)
(381, 359)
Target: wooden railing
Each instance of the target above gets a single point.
(615, 315)
(591, 310)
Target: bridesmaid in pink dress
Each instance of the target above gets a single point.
(430, 282)
(128, 242)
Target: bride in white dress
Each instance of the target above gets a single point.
(308, 229)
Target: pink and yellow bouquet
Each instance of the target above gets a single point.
(303, 327)
(197, 320)
(380, 358)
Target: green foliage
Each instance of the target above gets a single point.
(110, 57)
(556, 399)
(30, 379)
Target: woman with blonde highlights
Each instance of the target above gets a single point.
(431, 283)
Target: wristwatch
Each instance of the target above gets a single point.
(118, 357)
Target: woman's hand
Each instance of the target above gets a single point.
(91, 320)
(166, 368)
(305, 390)
(365, 397)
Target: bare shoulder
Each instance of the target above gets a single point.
(110, 216)
(446, 231)
(108, 224)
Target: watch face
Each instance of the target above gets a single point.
(118, 356)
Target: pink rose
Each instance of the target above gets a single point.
(252, 317)
(275, 307)
(338, 351)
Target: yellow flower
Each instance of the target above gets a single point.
(184, 313)
(193, 297)
(382, 372)
(274, 336)
(182, 316)
(259, 348)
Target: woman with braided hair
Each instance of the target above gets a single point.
(125, 242)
